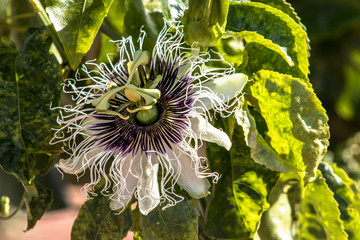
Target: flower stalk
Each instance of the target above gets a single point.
(204, 21)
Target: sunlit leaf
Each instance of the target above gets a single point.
(319, 213)
(240, 196)
(346, 194)
(274, 25)
(276, 222)
(284, 6)
(250, 52)
(308, 225)
(179, 222)
(77, 23)
(296, 129)
(261, 151)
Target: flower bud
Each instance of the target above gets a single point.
(204, 21)
(5, 206)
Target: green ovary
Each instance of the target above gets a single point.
(148, 117)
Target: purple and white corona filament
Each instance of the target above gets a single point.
(140, 123)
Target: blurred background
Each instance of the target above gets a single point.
(333, 27)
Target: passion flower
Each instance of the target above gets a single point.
(140, 123)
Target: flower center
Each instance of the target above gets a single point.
(141, 100)
(148, 117)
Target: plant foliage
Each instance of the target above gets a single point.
(279, 129)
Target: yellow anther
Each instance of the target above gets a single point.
(132, 95)
(110, 86)
(139, 109)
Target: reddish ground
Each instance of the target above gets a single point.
(54, 225)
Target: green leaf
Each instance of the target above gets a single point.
(308, 226)
(238, 49)
(261, 151)
(116, 16)
(277, 221)
(319, 213)
(274, 25)
(115, 21)
(240, 196)
(178, 222)
(284, 7)
(346, 194)
(296, 129)
(97, 221)
(29, 83)
(11, 153)
(37, 201)
(77, 23)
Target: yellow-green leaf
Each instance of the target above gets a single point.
(294, 124)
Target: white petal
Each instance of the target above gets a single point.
(196, 186)
(205, 131)
(148, 188)
(228, 86)
(126, 188)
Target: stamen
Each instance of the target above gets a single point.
(140, 58)
(102, 103)
(155, 82)
(150, 95)
(132, 95)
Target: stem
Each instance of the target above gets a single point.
(21, 204)
(12, 27)
(15, 17)
(110, 33)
